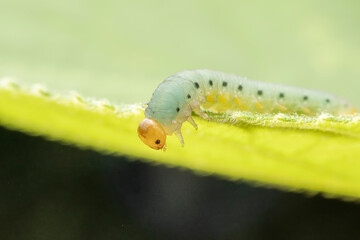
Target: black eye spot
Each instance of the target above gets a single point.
(327, 100)
(240, 87)
(157, 141)
(210, 83)
(260, 92)
(224, 84)
(197, 85)
(177, 109)
(188, 96)
(281, 95)
(306, 98)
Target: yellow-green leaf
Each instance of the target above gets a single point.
(298, 153)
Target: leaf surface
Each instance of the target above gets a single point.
(310, 154)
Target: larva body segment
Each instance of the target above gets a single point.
(178, 95)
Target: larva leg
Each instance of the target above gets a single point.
(199, 112)
(180, 137)
(192, 122)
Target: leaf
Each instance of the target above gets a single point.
(298, 153)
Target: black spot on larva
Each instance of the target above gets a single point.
(327, 100)
(210, 83)
(305, 98)
(281, 95)
(177, 109)
(240, 87)
(260, 92)
(224, 84)
(188, 96)
(197, 85)
(157, 141)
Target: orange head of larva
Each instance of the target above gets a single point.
(152, 133)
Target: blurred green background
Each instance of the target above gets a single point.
(121, 50)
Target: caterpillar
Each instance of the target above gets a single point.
(185, 92)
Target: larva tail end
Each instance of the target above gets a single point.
(152, 134)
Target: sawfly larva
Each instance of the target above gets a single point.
(185, 92)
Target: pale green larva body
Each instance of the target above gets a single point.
(179, 95)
